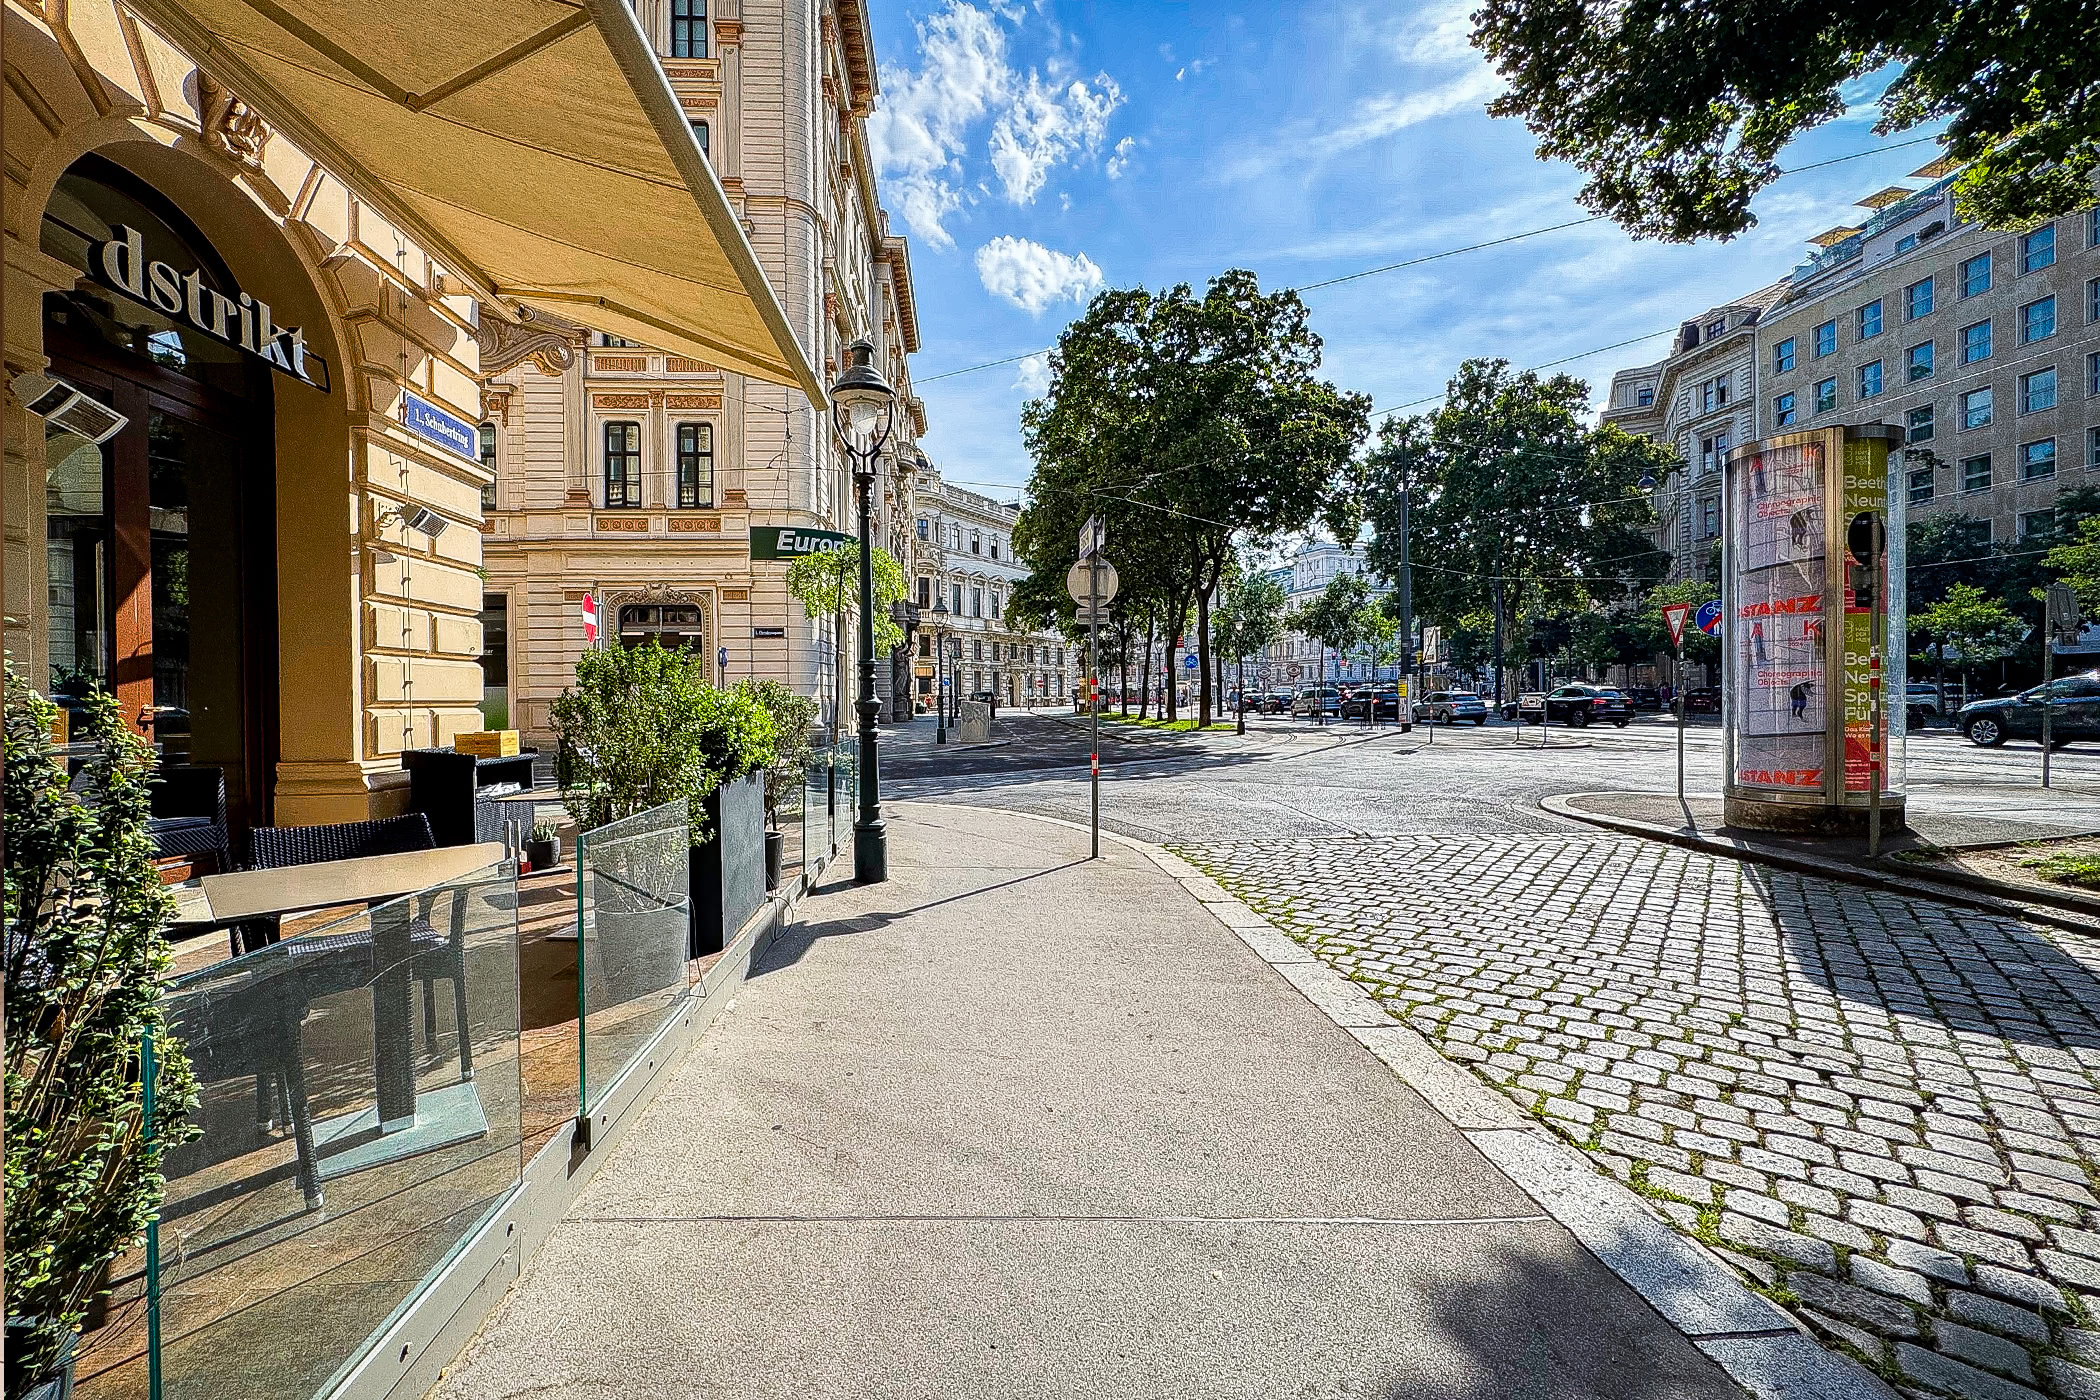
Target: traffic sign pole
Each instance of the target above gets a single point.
(1093, 655)
(1677, 698)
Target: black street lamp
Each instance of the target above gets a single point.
(863, 406)
(940, 666)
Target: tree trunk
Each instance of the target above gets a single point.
(1203, 692)
(1145, 672)
(1498, 641)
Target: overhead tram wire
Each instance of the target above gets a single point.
(1450, 253)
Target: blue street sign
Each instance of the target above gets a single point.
(1710, 618)
(448, 430)
(1188, 663)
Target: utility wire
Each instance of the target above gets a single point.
(1454, 252)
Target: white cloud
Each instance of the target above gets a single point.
(1031, 276)
(1033, 376)
(1047, 124)
(919, 129)
(1119, 159)
(1193, 68)
(1379, 117)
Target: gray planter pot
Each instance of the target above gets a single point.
(729, 871)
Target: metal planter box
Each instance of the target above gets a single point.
(729, 871)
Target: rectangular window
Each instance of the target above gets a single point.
(623, 465)
(1870, 379)
(925, 594)
(2037, 522)
(1976, 408)
(1918, 361)
(2038, 460)
(1826, 339)
(1921, 485)
(955, 600)
(2038, 390)
(486, 440)
(2092, 300)
(1906, 243)
(2092, 449)
(617, 342)
(976, 544)
(1976, 275)
(1711, 452)
(2038, 249)
(995, 549)
(689, 28)
(2092, 228)
(2092, 373)
(1976, 473)
(1644, 397)
(1783, 411)
(1976, 342)
(2038, 320)
(922, 527)
(1918, 425)
(1717, 327)
(696, 466)
(700, 135)
(1917, 298)
(1826, 395)
(1870, 320)
(1709, 517)
(1783, 356)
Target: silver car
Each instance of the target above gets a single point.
(1451, 706)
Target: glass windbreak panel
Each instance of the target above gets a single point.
(846, 758)
(358, 1117)
(634, 912)
(816, 812)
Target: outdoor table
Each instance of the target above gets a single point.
(242, 895)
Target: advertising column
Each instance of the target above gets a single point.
(1798, 630)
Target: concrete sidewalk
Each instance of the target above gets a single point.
(1020, 1124)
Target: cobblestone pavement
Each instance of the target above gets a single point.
(1884, 1111)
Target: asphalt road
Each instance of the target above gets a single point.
(1291, 778)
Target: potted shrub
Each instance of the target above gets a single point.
(642, 726)
(794, 749)
(86, 946)
(543, 847)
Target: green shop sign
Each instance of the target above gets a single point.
(793, 541)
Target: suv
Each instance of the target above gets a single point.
(1644, 697)
(1451, 706)
(1704, 700)
(1577, 705)
(1368, 702)
(2074, 713)
(1921, 703)
(1317, 700)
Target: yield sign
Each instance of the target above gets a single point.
(1676, 615)
(590, 620)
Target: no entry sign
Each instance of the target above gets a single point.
(590, 620)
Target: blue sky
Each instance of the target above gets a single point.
(1038, 150)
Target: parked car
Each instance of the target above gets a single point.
(1578, 706)
(1273, 702)
(1380, 702)
(2073, 705)
(1316, 700)
(1924, 706)
(1702, 700)
(1530, 707)
(1451, 706)
(1644, 697)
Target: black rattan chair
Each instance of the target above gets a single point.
(343, 962)
(189, 814)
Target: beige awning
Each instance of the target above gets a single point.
(534, 147)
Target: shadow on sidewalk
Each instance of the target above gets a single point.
(1973, 972)
(789, 946)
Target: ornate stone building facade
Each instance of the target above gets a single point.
(966, 561)
(636, 476)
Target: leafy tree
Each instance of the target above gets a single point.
(1193, 425)
(1249, 622)
(1942, 551)
(826, 582)
(1378, 633)
(794, 740)
(1333, 616)
(1515, 506)
(86, 949)
(2077, 562)
(1975, 626)
(1678, 112)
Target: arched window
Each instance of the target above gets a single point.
(488, 462)
(696, 466)
(623, 465)
(689, 29)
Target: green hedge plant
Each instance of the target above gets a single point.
(86, 950)
(794, 740)
(642, 726)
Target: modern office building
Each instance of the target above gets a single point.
(273, 281)
(635, 474)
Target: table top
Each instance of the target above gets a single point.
(293, 889)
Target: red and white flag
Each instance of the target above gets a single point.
(590, 620)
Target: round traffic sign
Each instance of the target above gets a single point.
(1076, 581)
(1710, 618)
(1189, 662)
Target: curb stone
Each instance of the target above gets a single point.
(1761, 1347)
(1562, 805)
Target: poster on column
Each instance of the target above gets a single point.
(1775, 640)
(1865, 490)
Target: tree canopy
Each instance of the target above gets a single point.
(1677, 113)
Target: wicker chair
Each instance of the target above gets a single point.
(189, 814)
(343, 962)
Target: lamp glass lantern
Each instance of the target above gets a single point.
(863, 405)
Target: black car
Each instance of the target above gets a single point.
(1580, 705)
(1381, 702)
(1705, 700)
(1644, 697)
(2073, 705)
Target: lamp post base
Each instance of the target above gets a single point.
(871, 853)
